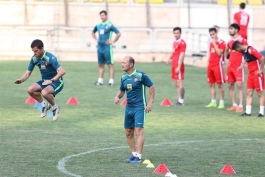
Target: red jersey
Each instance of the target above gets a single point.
(178, 46)
(214, 58)
(236, 58)
(242, 19)
(253, 53)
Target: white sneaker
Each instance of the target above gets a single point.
(56, 113)
(44, 110)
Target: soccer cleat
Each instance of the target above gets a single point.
(97, 83)
(56, 113)
(130, 159)
(179, 104)
(211, 105)
(245, 115)
(110, 84)
(136, 161)
(239, 109)
(221, 106)
(232, 108)
(260, 115)
(44, 110)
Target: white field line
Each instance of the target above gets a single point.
(62, 162)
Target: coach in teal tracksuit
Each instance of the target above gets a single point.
(105, 54)
(134, 83)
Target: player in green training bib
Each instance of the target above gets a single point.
(51, 82)
(104, 47)
(134, 83)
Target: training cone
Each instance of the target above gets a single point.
(168, 174)
(166, 102)
(150, 165)
(162, 168)
(124, 102)
(72, 100)
(146, 161)
(228, 170)
(31, 100)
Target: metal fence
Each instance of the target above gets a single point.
(80, 39)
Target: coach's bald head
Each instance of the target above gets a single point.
(128, 64)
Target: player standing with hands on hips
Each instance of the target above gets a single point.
(51, 82)
(215, 73)
(134, 83)
(104, 47)
(177, 64)
(255, 62)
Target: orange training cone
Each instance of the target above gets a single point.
(228, 170)
(166, 102)
(124, 102)
(162, 168)
(31, 100)
(72, 100)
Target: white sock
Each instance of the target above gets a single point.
(181, 100)
(261, 110)
(54, 106)
(248, 109)
(241, 106)
(100, 80)
(43, 103)
(221, 102)
(139, 155)
(213, 101)
(111, 81)
(234, 104)
(134, 154)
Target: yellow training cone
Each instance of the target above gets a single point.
(146, 161)
(150, 165)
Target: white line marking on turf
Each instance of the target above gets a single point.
(62, 162)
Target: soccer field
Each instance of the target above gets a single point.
(88, 139)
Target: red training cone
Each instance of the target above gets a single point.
(162, 168)
(166, 102)
(31, 100)
(124, 102)
(227, 170)
(72, 100)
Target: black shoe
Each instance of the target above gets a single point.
(260, 115)
(245, 115)
(179, 104)
(97, 83)
(110, 84)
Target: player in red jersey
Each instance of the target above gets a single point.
(234, 73)
(178, 68)
(242, 19)
(255, 62)
(215, 72)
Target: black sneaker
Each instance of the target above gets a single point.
(245, 115)
(260, 115)
(110, 84)
(179, 104)
(44, 110)
(97, 83)
(55, 113)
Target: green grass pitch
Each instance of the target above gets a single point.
(192, 141)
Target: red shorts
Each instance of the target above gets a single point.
(215, 74)
(177, 76)
(234, 75)
(255, 82)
